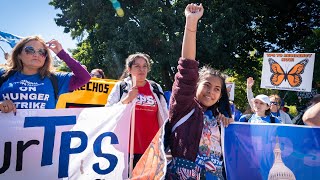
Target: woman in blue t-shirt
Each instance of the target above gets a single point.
(28, 83)
(261, 108)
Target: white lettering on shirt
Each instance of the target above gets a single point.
(146, 100)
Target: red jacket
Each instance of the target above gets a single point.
(184, 141)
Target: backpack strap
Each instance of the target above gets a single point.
(248, 116)
(123, 89)
(157, 91)
(123, 86)
(54, 81)
(6, 76)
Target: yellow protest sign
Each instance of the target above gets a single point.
(93, 94)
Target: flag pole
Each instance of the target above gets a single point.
(2, 49)
(132, 128)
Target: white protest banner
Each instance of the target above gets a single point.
(90, 143)
(287, 71)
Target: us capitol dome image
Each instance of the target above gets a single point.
(279, 170)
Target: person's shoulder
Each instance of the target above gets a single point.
(2, 71)
(125, 80)
(283, 113)
(277, 120)
(243, 118)
(118, 84)
(121, 84)
(151, 82)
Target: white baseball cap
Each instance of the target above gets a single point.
(263, 98)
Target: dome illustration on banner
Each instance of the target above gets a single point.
(279, 170)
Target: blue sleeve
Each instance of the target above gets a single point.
(232, 108)
(225, 113)
(276, 120)
(242, 118)
(2, 71)
(237, 115)
(63, 82)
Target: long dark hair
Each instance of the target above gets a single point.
(130, 61)
(268, 112)
(223, 105)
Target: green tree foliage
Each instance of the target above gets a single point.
(309, 44)
(228, 31)
(312, 44)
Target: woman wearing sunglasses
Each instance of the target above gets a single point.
(30, 85)
(97, 73)
(275, 104)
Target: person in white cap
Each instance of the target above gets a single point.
(275, 102)
(261, 107)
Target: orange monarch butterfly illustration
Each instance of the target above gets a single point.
(293, 76)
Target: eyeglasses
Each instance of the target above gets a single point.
(96, 75)
(31, 51)
(274, 103)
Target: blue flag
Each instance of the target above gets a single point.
(9, 38)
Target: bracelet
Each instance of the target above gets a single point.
(190, 29)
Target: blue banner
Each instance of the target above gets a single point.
(11, 39)
(271, 151)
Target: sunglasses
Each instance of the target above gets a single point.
(274, 103)
(96, 75)
(31, 51)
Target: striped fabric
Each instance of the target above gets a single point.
(183, 169)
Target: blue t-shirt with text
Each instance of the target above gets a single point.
(257, 119)
(32, 91)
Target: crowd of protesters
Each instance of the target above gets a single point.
(199, 101)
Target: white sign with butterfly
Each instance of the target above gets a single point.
(288, 71)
